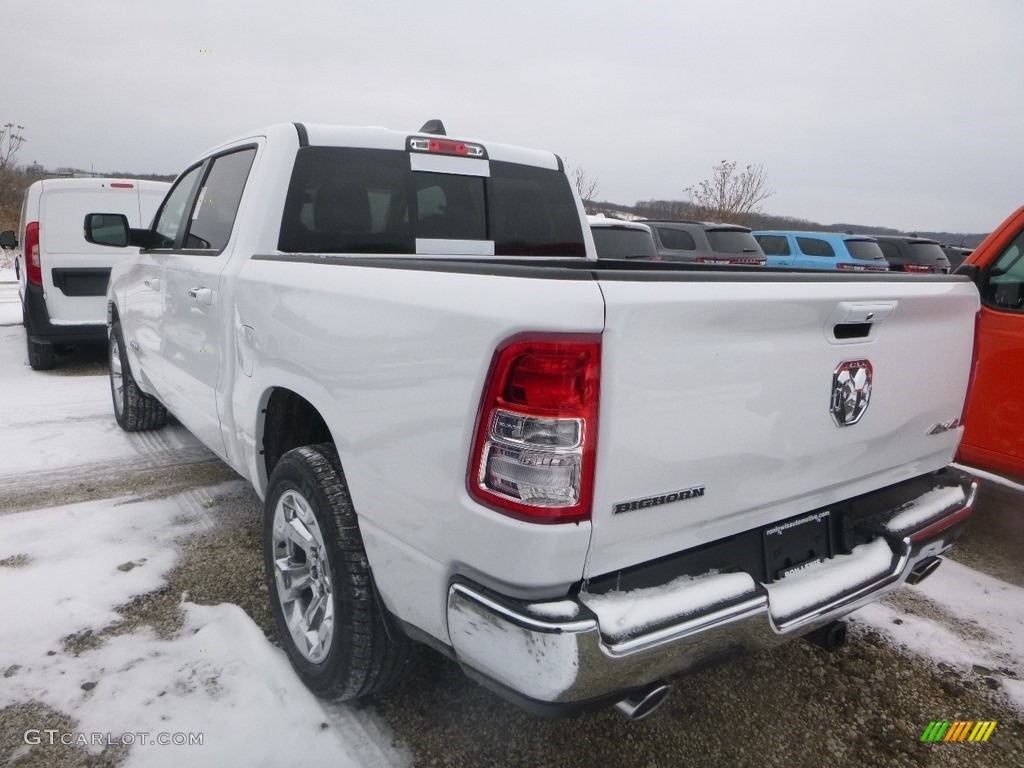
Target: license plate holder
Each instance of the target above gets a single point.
(796, 543)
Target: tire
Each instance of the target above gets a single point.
(134, 410)
(321, 590)
(42, 357)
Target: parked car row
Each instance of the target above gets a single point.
(731, 244)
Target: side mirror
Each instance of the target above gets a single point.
(8, 240)
(107, 229)
(112, 229)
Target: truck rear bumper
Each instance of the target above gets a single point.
(573, 652)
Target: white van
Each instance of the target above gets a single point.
(62, 279)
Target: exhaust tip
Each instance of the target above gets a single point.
(924, 569)
(642, 703)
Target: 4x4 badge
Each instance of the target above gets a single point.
(851, 391)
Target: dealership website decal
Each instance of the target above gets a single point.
(52, 736)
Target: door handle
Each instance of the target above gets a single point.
(201, 295)
(153, 283)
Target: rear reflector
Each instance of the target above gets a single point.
(535, 446)
(121, 185)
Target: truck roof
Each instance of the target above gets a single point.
(373, 137)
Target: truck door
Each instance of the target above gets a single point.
(142, 307)
(994, 423)
(194, 309)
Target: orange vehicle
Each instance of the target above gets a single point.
(994, 418)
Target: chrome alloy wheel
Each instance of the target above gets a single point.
(302, 575)
(116, 375)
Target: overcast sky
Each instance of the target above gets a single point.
(902, 113)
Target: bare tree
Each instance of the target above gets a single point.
(12, 179)
(729, 196)
(10, 142)
(585, 186)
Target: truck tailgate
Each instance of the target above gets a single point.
(717, 392)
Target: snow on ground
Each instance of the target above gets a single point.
(980, 623)
(219, 677)
(10, 302)
(52, 420)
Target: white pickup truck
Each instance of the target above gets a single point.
(575, 478)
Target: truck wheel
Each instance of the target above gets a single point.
(321, 590)
(42, 357)
(134, 410)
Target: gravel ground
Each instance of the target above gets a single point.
(996, 539)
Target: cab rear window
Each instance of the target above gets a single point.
(345, 200)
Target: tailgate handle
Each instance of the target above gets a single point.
(873, 312)
(852, 330)
(853, 321)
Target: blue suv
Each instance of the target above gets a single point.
(821, 250)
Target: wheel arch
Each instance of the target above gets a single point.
(286, 420)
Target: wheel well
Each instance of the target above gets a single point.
(290, 422)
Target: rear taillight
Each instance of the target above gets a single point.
(918, 268)
(845, 266)
(735, 260)
(33, 268)
(536, 438)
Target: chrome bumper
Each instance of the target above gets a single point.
(556, 653)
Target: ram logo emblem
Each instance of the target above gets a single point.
(851, 391)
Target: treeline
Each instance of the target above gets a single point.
(679, 209)
(14, 182)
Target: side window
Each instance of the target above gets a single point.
(168, 219)
(773, 245)
(812, 246)
(213, 214)
(676, 239)
(1004, 287)
(890, 251)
